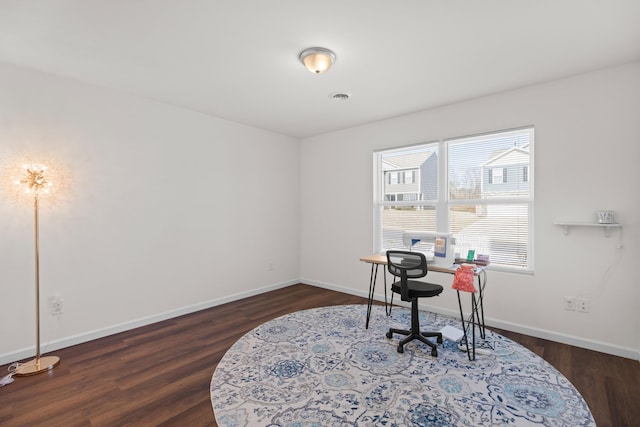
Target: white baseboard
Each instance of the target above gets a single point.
(602, 347)
(29, 352)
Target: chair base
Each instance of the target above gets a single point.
(420, 336)
(415, 333)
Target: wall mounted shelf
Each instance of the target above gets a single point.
(607, 227)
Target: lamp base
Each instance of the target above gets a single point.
(37, 366)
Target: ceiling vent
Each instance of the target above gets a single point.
(340, 96)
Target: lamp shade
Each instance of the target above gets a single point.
(317, 59)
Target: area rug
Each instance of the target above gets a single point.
(322, 368)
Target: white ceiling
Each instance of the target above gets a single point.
(238, 59)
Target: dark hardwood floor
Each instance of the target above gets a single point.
(159, 375)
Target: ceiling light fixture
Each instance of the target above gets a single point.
(317, 59)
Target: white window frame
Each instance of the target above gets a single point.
(443, 203)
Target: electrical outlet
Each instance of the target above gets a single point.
(271, 266)
(55, 306)
(570, 303)
(583, 305)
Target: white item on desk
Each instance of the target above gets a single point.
(433, 240)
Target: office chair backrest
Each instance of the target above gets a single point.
(413, 264)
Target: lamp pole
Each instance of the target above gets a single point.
(36, 181)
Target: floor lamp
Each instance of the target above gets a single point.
(35, 183)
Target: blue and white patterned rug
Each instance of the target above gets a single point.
(321, 367)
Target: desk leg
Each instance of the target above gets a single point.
(464, 330)
(388, 311)
(473, 324)
(372, 288)
(479, 308)
(475, 313)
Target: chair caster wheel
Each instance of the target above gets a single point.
(400, 349)
(434, 352)
(389, 335)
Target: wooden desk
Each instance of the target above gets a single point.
(477, 306)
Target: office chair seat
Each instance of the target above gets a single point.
(412, 265)
(418, 289)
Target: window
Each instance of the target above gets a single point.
(409, 177)
(408, 197)
(460, 186)
(393, 178)
(497, 175)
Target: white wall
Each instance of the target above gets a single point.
(169, 209)
(164, 199)
(587, 157)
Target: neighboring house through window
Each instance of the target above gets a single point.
(480, 192)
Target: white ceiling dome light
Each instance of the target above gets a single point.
(317, 59)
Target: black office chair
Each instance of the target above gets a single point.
(412, 265)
